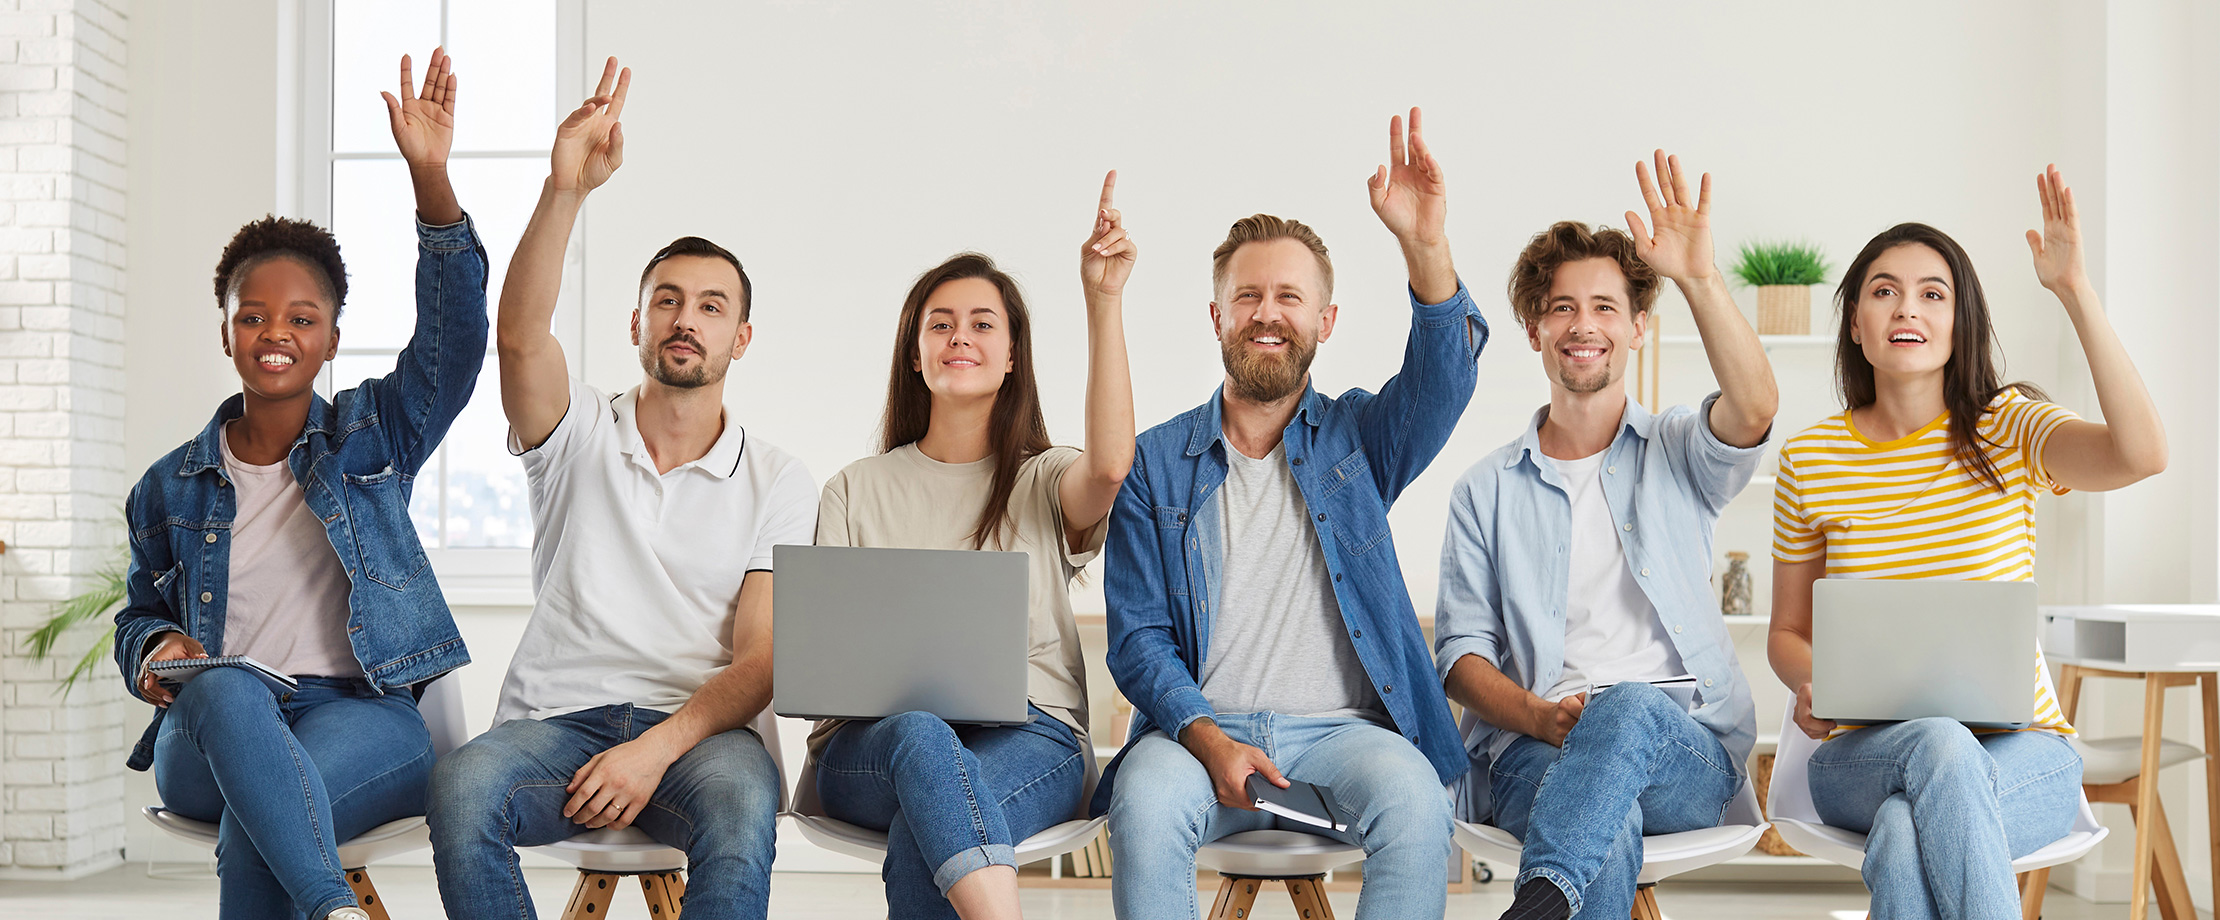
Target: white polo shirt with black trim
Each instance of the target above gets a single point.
(636, 575)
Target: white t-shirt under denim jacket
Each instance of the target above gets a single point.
(636, 574)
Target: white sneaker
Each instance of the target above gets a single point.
(348, 913)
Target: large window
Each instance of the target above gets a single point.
(511, 70)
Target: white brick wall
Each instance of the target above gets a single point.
(61, 423)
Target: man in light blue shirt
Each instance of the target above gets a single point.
(1576, 622)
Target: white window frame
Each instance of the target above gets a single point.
(469, 576)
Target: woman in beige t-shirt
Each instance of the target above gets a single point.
(967, 465)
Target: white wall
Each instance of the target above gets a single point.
(842, 148)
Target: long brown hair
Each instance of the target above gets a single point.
(1973, 376)
(1015, 429)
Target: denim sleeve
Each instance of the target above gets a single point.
(1144, 654)
(145, 613)
(1715, 470)
(1468, 615)
(1408, 422)
(438, 370)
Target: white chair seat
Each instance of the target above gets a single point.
(617, 851)
(1798, 820)
(870, 845)
(2106, 761)
(1276, 854)
(1663, 855)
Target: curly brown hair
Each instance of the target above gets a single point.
(1571, 241)
(275, 237)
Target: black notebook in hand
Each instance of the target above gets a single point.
(180, 670)
(1300, 801)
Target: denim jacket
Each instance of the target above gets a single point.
(1350, 457)
(356, 461)
(1504, 566)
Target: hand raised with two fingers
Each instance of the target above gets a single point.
(589, 144)
(1410, 194)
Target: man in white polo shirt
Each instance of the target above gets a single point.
(648, 655)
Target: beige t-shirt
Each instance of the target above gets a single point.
(903, 498)
(287, 602)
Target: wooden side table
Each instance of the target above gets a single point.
(2173, 892)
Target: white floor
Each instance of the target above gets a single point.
(128, 894)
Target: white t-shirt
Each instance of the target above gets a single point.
(287, 602)
(1612, 633)
(1277, 639)
(637, 574)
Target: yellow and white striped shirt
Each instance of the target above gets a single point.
(1908, 509)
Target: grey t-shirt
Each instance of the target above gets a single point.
(1277, 641)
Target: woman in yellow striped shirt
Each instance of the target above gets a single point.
(1932, 472)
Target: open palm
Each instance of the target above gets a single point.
(589, 145)
(423, 120)
(2057, 248)
(1410, 193)
(1677, 242)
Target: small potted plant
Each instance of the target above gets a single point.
(1783, 274)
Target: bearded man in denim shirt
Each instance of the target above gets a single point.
(1575, 568)
(1258, 617)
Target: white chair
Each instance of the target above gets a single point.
(870, 845)
(1798, 821)
(1663, 855)
(1246, 860)
(442, 707)
(607, 854)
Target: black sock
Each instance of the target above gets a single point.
(1538, 899)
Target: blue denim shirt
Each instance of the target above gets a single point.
(356, 461)
(1504, 566)
(1350, 457)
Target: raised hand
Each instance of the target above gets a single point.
(424, 120)
(1410, 194)
(2057, 247)
(589, 145)
(1107, 258)
(1680, 247)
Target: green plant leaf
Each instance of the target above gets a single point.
(102, 598)
(1768, 263)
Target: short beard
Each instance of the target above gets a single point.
(1593, 384)
(1266, 378)
(700, 375)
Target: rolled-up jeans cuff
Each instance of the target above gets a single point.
(1564, 884)
(972, 860)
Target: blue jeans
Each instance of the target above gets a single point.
(287, 779)
(505, 789)
(951, 800)
(1163, 809)
(1636, 763)
(1945, 811)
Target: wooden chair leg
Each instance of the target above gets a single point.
(2166, 876)
(1645, 903)
(2208, 691)
(663, 890)
(589, 899)
(366, 894)
(1309, 895)
(2154, 715)
(1235, 897)
(2032, 885)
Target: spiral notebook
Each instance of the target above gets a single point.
(180, 670)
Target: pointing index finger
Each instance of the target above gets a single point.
(624, 85)
(1109, 186)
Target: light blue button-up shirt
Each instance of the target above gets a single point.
(1505, 564)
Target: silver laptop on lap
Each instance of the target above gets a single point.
(865, 633)
(1887, 650)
